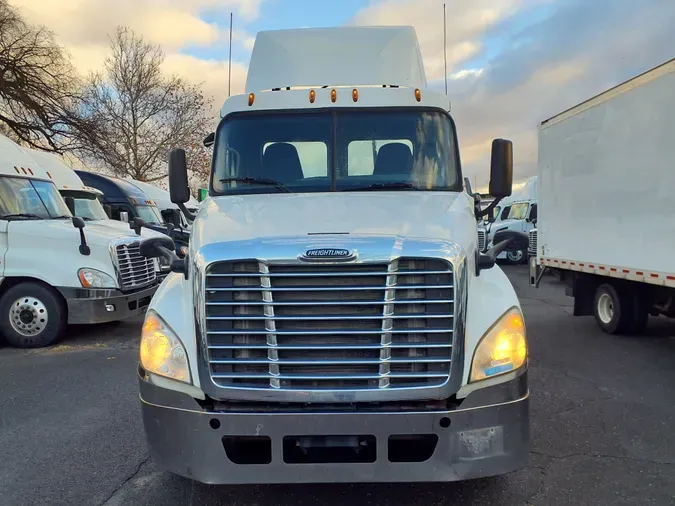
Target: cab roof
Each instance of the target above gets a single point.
(15, 161)
(341, 56)
(63, 176)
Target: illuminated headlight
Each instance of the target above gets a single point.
(162, 353)
(502, 349)
(93, 278)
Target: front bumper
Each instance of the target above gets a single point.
(488, 435)
(105, 305)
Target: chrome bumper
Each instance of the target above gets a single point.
(481, 438)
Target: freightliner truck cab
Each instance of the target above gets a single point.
(333, 320)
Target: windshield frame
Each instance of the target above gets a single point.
(458, 187)
(49, 215)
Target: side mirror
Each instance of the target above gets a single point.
(78, 223)
(517, 241)
(209, 140)
(70, 204)
(171, 216)
(501, 168)
(178, 178)
(136, 225)
(164, 247)
(532, 217)
(108, 210)
(124, 216)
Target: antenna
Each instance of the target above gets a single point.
(445, 55)
(229, 63)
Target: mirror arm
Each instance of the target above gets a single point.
(84, 249)
(489, 259)
(176, 264)
(191, 217)
(488, 209)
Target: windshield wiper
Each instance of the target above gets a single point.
(28, 216)
(256, 180)
(62, 217)
(384, 186)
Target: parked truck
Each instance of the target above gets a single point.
(54, 271)
(606, 179)
(334, 320)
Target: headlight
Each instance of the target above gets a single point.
(502, 349)
(162, 352)
(93, 278)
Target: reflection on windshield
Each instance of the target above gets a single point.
(518, 211)
(87, 206)
(32, 197)
(318, 152)
(149, 214)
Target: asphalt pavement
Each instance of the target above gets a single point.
(601, 413)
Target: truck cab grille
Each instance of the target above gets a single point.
(482, 239)
(329, 327)
(532, 245)
(135, 271)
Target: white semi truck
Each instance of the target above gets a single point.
(606, 178)
(334, 320)
(55, 271)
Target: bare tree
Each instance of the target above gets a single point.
(38, 85)
(139, 113)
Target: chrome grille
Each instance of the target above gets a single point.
(134, 270)
(329, 327)
(482, 237)
(532, 246)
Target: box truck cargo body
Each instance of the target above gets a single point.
(606, 175)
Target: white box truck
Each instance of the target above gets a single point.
(334, 320)
(606, 176)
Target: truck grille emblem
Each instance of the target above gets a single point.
(327, 254)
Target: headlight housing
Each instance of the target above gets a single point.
(93, 278)
(162, 353)
(502, 349)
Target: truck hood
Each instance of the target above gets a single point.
(64, 231)
(430, 215)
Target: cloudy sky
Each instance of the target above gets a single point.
(511, 63)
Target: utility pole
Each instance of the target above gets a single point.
(445, 50)
(229, 63)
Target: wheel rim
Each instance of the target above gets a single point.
(515, 256)
(28, 316)
(605, 308)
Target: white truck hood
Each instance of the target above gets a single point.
(118, 228)
(430, 215)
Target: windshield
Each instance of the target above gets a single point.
(87, 206)
(518, 211)
(32, 198)
(149, 214)
(336, 151)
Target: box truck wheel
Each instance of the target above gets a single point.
(516, 257)
(31, 316)
(613, 310)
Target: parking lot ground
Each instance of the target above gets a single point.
(601, 414)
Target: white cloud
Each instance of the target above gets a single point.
(582, 48)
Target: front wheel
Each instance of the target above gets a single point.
(31, 316)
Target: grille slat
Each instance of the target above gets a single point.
(336, 326)
(134, 269)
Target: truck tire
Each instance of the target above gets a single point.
(613, 310)
(31, 316)
(516, 257)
